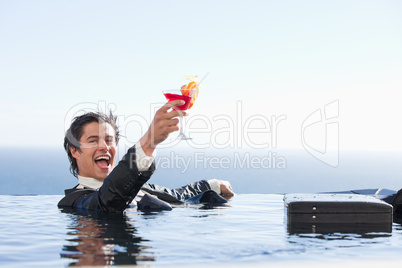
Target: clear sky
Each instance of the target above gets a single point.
(265, 59)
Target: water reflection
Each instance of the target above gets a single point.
(103, 239)
(339, 240)
(337, 236)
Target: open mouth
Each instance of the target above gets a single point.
(103, 161)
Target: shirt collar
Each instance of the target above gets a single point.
(85, 182)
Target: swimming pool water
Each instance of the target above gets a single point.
(251, 229)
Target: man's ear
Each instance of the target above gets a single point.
(74, 152)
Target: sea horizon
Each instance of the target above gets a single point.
(30, 170)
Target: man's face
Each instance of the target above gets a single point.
(98, 151)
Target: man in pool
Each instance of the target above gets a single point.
(91, 143)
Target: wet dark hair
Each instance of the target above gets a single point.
(75, 132)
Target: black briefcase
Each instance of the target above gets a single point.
(332, 213)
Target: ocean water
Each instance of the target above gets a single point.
(46, 170)
(250, 230)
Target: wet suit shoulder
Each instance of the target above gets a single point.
(117, 191)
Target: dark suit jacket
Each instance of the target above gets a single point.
(123, 184)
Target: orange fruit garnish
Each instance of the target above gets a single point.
(191, 85)
(187, 89)
(195, 96)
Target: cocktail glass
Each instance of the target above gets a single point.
(176, 94)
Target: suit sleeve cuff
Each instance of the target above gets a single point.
(143, 161)
(215, 185)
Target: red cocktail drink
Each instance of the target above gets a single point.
(172, 97)
(188, 93)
